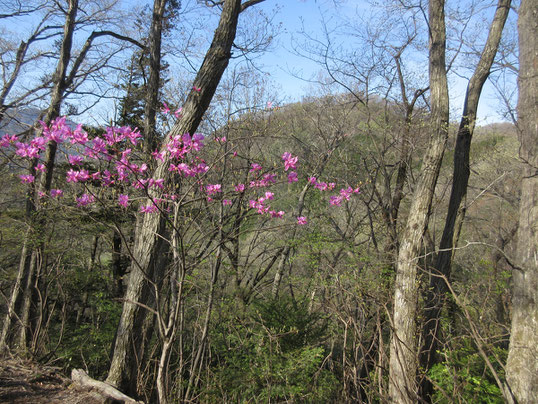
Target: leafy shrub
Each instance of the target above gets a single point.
(464, 374)
(273, 355)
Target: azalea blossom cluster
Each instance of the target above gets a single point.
(261, 206)
(115, 147)
(335, 200)
(165, 109)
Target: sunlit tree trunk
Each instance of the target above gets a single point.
(147, 240)
(522, 364)
(152, 91)
(28, 265)
(403, 348)
(460, 180)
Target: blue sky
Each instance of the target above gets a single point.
(296, 14)
(284, 65)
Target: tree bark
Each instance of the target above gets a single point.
(403, 347)
(81, 378)
(147, 241)
(522, 364)
(29, 255)
(152, 94)
(460, 179)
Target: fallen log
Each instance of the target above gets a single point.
(81, 378)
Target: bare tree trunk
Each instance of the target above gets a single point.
(147, 243)
(118, 267)
(152, 94)
(522, 364)
(403, 347)
(28, 258)
(456, 208)
(15, 302)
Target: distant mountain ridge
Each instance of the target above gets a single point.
(23, 120)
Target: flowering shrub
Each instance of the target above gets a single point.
(110, 160)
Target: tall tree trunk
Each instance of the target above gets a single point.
(522, 364)
(403, 347)
(147, 241)
(152, 91)
(460, 179)
(117, 264)
(29, 255)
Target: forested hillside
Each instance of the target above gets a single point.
(174, 227)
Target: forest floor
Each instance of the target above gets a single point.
(24, 382)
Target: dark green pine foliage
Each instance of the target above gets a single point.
(134, 79)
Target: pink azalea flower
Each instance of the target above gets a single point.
(27, 179)
(177, 113)
(165, 109)
(322, 186)
(139, 184)
(79, 136)
(268, 178)
(290, 162)
(226, 202)
(148, 209)
(279, 214)
(158, 155)
(99, 145)
(72, 176)
(255, 167)
(346, 193)
(336, 200)
(7, 139)
(197, 89)
(40, 167)
(132, 134)
(85, 200)
(158, 183)
(312, 180)
(107, 178)
(56, 193)
(75, 160)
(213, 189)
(39, 142)
(240, 187)
(201, 168)
(123, 200)
(83, 175)
(292, 177)
(184, 169)
(301, 220)
(25, 150)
